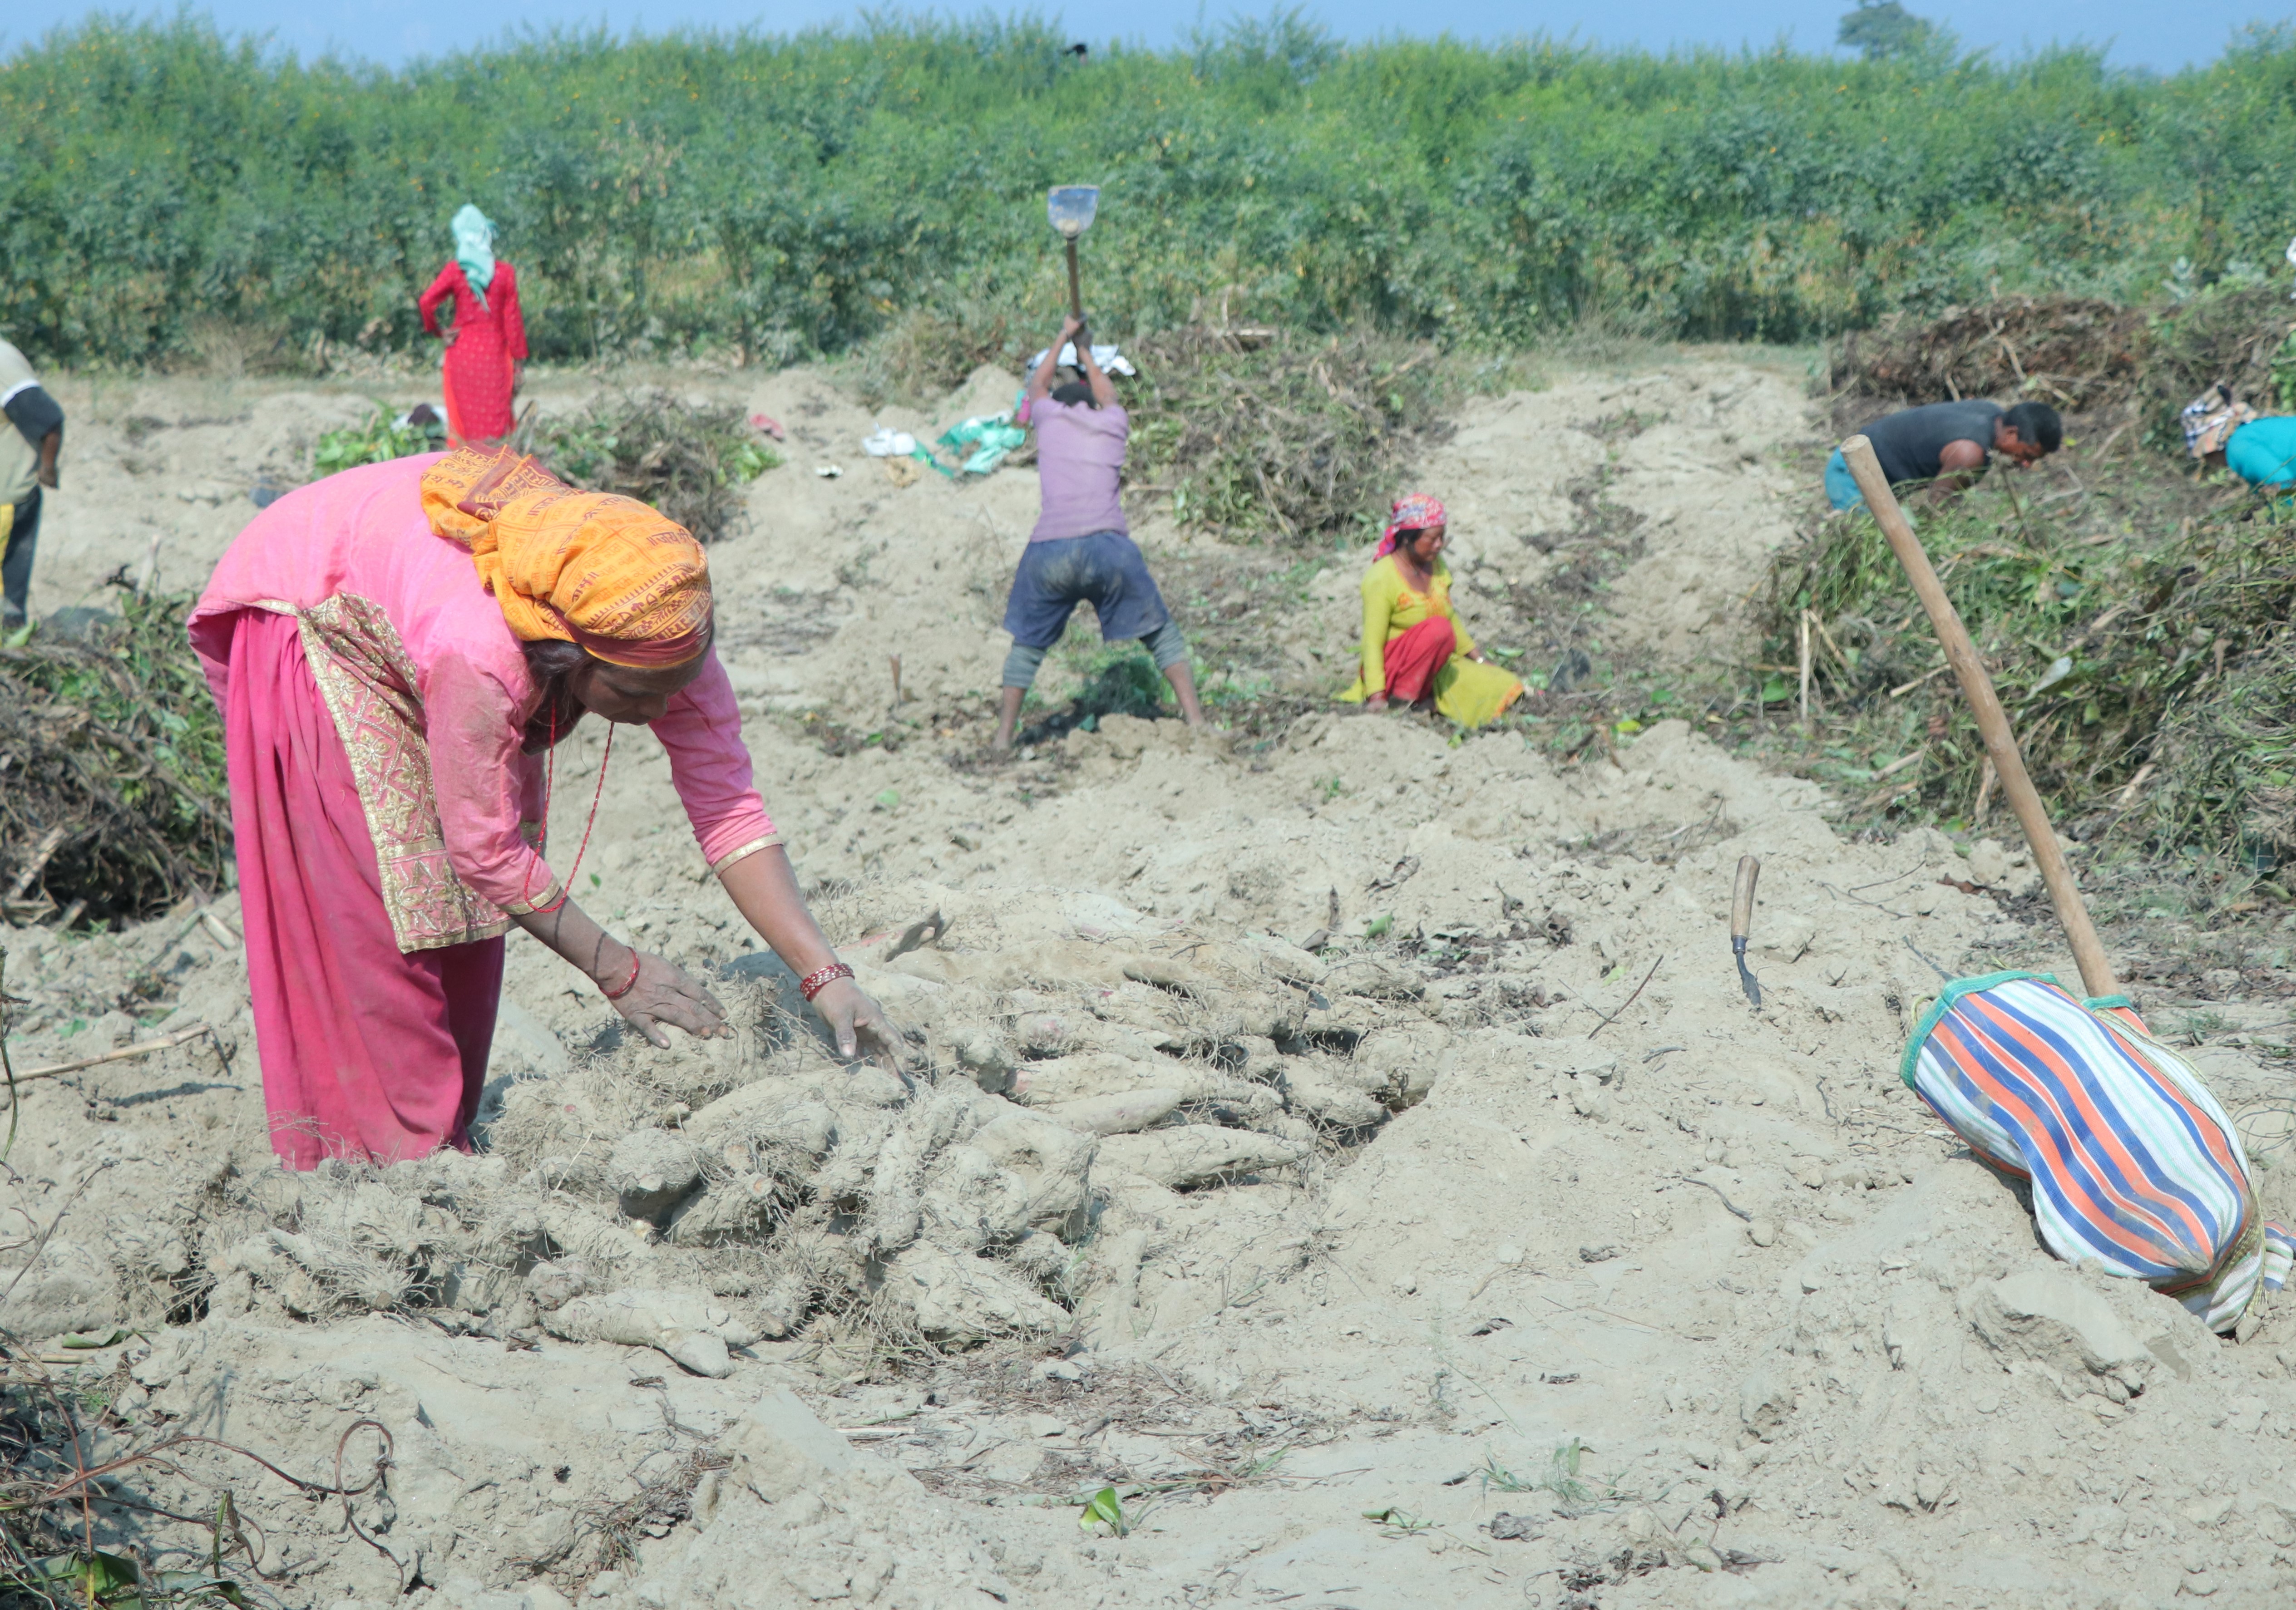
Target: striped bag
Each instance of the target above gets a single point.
(2133, 1165)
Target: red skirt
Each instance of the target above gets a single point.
(476, 377)
(367, 1052)
(1414, 658)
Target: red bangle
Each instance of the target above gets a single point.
(821, 979)
(629, 983)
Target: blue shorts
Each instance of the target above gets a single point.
(1105, 569)
(1841, 485)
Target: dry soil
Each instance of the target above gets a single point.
(1350, 1144)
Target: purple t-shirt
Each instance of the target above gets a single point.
(1079, 449)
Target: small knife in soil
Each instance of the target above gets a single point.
(1742, 920)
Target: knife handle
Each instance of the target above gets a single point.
(1742, 898)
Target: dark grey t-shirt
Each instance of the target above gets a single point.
(1908, 445)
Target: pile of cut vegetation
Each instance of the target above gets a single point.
(2138, 632)
(2076, 352)
(689, 461)
(2131, 606)
(1255, 434)
(113, 798)
(1281, 434)
(2124, 366)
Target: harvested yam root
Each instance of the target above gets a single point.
(696, 1201)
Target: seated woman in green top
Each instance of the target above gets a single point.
(1414, 647)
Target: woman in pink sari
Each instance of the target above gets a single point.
(395, 649)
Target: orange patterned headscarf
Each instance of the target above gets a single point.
(1414, 511)
(620, 579)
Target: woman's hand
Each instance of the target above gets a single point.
(1376, 701)
(665, 993)
(850, 1015)
(764, 888)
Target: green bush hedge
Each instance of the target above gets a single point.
(161, 188)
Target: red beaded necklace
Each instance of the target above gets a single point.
(549, 790)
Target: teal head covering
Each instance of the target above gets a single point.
(474, 248)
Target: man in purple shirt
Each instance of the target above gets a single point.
(1082, 548)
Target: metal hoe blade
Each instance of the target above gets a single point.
(1071, 208)
(1746, 979)
(1742, 922)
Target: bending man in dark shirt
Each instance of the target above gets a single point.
(1082, 550)
(1944, 445)
(29, 441)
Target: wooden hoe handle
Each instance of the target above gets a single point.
(1992, 720)
(1742, 898)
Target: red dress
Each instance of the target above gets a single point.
(488, 339)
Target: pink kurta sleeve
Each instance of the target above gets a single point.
(709, 765)
(484, 787)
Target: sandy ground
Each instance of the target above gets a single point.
(1526, 1266)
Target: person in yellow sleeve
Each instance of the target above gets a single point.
(29, 440)
(1415, 650)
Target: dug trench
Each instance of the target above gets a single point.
(1332, 1165)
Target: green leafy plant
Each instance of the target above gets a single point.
(2284, 374)
(1574, 1494)
(1483, 195)
(1103, 1508)
(376, 440)
(92, 1577)
(1398, 1523)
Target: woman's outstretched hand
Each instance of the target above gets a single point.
(667, 994)
(852, 1016)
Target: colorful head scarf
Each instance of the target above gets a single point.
(604, 572)
(474, 248)
(1413, 511)
(2210, 418)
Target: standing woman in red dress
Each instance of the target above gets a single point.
(488, 342)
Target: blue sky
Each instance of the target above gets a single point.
(2148, 34)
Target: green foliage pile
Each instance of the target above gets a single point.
(376, 440)
(1298, 439)
(774, 196)
(2138, 637)
(689, 462)
(113, 786)
(2133, 366)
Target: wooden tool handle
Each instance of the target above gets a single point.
(1992, 720)
(1076, 290)
(1742, 898)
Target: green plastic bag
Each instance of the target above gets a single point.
(991, 436)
